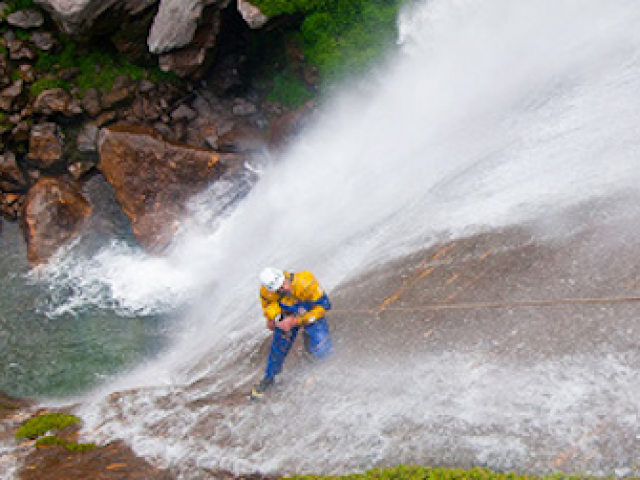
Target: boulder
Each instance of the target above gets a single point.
(45, 145)
(44, 41)
(193, 60)
(153, 179)
(79, 17)
(57, 101)
(20, 50)
(9, 94)
(11, 177)
(91, 102)
(54, 212)
(26, 19)
(176, 23)
(252, 14)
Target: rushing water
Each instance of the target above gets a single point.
(493, 112)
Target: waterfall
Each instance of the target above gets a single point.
(490, 113)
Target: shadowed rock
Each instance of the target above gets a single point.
(153, 179)
(45, 144)
(80, 16)
(54, 212)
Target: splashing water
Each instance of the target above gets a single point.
(492, 113)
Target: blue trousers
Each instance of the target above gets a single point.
(317, 342)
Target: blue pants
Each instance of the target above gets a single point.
(318, 343)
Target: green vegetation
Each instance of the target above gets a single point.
(15, 5)
(341, 37)
(71, 446)
(41, 424)
(426, 473)
(96, 68)
(289, 90)
(38, 427)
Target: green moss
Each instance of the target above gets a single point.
(404, 472)
(50, 440)
(341, 37)
(97, 68)
(37, 426)
(289, 90)
(46, 83)
(15, 5)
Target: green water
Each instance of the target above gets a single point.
(68, 354)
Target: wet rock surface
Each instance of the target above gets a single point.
(54, 213)
(153, 179)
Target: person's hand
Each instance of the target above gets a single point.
(288, 322)
(271, 325)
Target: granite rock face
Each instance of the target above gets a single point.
(153, 179)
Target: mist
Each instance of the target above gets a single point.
(489, 114)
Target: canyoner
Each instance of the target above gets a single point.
(291, 301)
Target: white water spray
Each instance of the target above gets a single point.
(493, 113)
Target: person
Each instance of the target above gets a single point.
(290, 302)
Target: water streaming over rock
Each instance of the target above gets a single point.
(490, 114)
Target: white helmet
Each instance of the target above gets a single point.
(272, 278)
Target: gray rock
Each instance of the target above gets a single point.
(19, 50)
(43, 40)
(9, 94)
(87, 138)
(80, 16)
(252, 14)
(91, 102)
(242, 107)
(183, 112)
(176, 22)
(26, 19)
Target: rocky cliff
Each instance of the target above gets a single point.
(157, 139)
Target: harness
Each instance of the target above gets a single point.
(301, 308)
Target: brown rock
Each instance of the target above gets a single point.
(45, 144)
(20, 50)
(152, 179)
(244, 139)
(9, 95)
(106, 118)
(11, 205)
(288, 125)
(115, 97)
(5, 72)
(20, 133)
(53, 100)
(11, 177)
(27, 73)
(54, 212)
(91, 102)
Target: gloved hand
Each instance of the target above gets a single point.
(288, 322)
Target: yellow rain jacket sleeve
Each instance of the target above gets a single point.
(307, 299)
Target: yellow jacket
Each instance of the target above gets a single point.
(307, 299)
